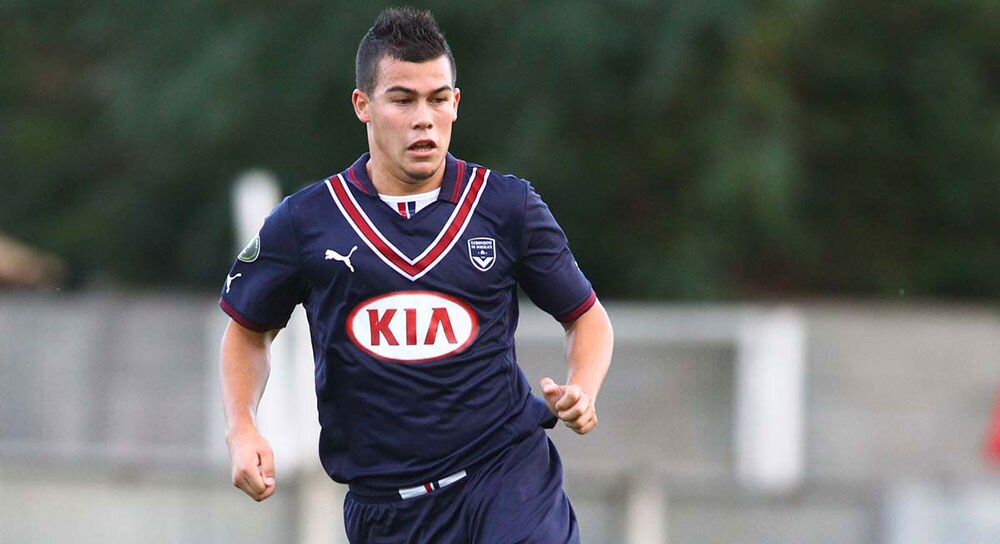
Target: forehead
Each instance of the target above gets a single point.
(419, 76)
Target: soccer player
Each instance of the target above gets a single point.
(408, 265)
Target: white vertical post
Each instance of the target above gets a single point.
(288, 415)
(254, 194)
(646, 511)
(769, 400)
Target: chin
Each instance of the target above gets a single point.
(423, 170)
(420, 175)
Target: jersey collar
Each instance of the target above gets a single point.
(455, 174)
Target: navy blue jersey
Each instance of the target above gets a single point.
(412, 319)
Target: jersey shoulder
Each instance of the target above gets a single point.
(505, 181)
(310, 193)
(506, 190)
(307, 203)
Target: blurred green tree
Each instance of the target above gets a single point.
(698, 150)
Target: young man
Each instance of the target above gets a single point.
(408, 265)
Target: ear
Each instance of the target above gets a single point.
(458, 96)
(361, 102)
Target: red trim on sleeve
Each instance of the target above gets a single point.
(580, 310)
(239, 319)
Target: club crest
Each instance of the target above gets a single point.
(251, 251)
(482, 252)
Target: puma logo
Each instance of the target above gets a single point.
(331, 254)
(229, 280)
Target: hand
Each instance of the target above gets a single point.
(571, 404)
(252, 463)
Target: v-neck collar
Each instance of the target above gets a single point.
(464, 193)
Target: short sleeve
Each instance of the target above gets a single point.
(266, 281)
(547, 270)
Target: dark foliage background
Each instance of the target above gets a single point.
(692, 150)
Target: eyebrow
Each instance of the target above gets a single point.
(400, 89)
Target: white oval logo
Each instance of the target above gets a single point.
(412, 326)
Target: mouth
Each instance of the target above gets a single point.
(422, 146)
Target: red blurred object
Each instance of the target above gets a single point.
(992, 449)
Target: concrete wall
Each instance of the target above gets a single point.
(109, 427)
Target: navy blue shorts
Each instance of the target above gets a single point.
(515, 497)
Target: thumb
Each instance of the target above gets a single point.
(267, 467)
(551, 389)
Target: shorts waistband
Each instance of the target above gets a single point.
(380, 494)
(403, 493)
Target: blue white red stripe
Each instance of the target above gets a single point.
(416, 491)
(406, 209)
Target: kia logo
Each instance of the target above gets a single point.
(412, 326)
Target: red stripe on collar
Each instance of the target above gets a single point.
(459, 179)
(354, 179)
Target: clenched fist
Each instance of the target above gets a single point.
(571, 404)
(252, 463)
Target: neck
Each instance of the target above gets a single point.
(396, 183)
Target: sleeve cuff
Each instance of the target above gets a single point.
(231, 312)
(579, 310)
(550, 422)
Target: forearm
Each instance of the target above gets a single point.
(245, 365)
(588, 346)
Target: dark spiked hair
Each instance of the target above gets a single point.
(401, 33)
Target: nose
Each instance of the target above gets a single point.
(422, 116)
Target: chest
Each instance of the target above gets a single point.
(411, 290)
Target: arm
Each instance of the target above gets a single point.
(244, 368)
(589, 342)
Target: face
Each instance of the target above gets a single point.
(409, 116)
